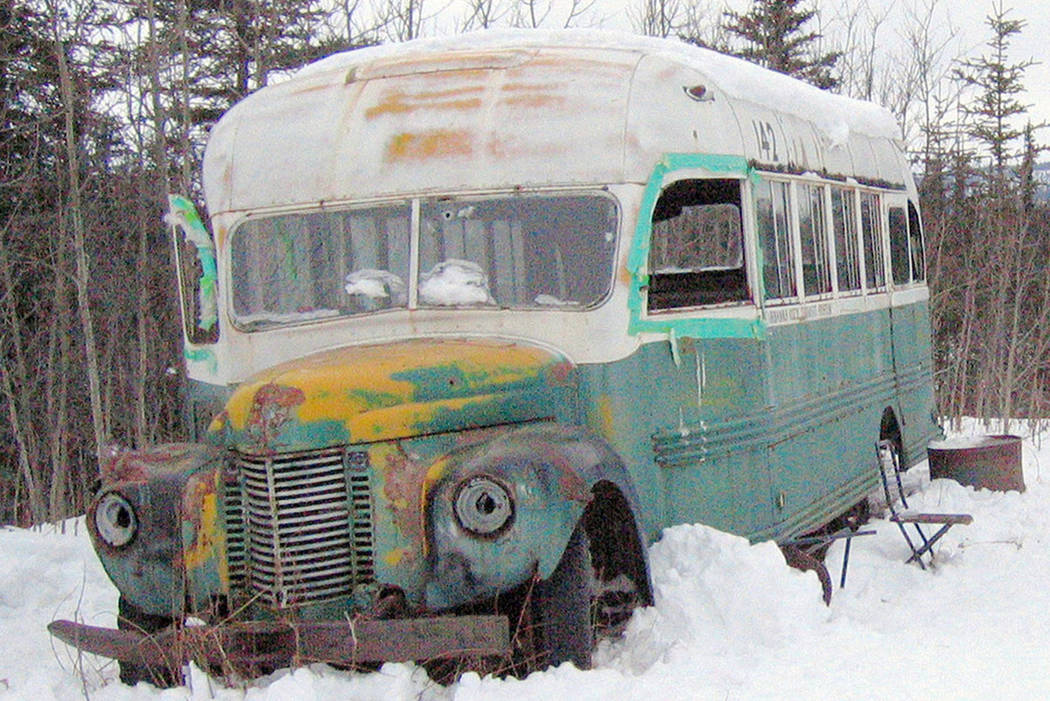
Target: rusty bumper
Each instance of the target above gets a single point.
(274, 644)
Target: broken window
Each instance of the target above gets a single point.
(516, 252)
(696, 254)
(309, 265)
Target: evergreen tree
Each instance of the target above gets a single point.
(999, 85)
(775, 38)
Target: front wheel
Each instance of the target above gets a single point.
(551, 619)
(563, 606)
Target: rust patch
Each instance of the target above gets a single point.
(536, 101)
(529, 87)
(561, 372)
(271, 409)
(197, 490)
(571, 485)
(403, 489)
(398, 103)
(320, 87)
(624, 276)
(122, 465)
(501, 148)
(429, 144)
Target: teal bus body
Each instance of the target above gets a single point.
(741, 434)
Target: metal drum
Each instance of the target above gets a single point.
(984, 462)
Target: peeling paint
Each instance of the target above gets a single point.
(271, 409)
(377, 393)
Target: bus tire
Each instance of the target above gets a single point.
(132, 618)
(561, 608)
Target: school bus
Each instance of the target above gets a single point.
(476, 318)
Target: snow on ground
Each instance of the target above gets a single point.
(731, 620)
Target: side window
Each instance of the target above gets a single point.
(899, 262)
(696, 254)
(918, 250)
(774, 238)
(816, 270)
(871, 230)
(844, 224)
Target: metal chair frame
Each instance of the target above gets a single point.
(889, 462)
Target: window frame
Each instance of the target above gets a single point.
(414, 205)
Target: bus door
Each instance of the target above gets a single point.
(708, 442)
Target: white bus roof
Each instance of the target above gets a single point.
(506, 109)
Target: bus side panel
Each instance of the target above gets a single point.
(832, 379)
(690, 423)
(912, 348)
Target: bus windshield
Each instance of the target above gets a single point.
(509, 252)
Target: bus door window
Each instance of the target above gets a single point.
(772, 202)
(844, 224)
(918, 255)
(696, 254)
(871, 230)
(816, 268)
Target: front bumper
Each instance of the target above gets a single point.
(255, 645)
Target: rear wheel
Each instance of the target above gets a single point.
(132, 618)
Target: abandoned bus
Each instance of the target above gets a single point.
(477, 318)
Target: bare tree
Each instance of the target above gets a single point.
(659, 18)
(75, 213)
(481, 14)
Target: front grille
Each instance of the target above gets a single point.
(305, 525)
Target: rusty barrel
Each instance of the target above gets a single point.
(988, 462)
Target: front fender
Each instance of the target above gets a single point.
(148, 570)
(550, 472)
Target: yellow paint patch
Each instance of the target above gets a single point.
(395, 556)
(429, 144)
(204, 547)
(356, 385)
(604, 416)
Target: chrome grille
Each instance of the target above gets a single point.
(307, 524)
(233, 513)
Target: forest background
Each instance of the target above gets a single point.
(106, 108)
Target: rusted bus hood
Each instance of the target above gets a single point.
(399, 390)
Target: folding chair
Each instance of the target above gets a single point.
(890, 470)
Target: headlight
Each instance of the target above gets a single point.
(115, 520)
(483, 506)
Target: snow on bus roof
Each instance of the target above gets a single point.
(835, 115)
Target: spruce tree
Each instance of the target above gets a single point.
(774, 36)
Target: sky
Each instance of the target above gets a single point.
(959, 22)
